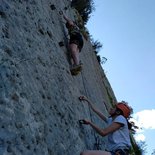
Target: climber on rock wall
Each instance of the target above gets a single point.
(75, 44)
(117, 129)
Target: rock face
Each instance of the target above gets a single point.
(39, 102)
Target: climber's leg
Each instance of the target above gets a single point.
(76, 65)
(74, 53)
(95, 152)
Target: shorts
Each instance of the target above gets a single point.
(77, 39)
(120, 152)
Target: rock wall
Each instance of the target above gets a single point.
(38, 95)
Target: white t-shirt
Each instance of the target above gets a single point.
(120, 138)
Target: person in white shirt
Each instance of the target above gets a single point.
(117, 129)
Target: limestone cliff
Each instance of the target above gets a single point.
(38, 95)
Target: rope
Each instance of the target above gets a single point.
(97, 144)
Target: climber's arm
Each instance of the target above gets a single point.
(66, 18)
(93, 108)
(103, 132)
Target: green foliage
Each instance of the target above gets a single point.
(84, 7)
(140, 148)
(132, 127)
(96, 46)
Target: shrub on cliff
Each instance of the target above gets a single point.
(84, 7)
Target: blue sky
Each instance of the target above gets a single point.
(126, 28)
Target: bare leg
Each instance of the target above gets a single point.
(74, 53)
(95, 152)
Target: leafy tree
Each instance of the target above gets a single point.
(142, 145)
(84, 7)
(132, 126)
(96, 46)
(139, 148)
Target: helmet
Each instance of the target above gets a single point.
(124, 108)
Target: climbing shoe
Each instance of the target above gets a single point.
(76, 69)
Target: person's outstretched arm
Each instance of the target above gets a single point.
(93, 108)
(103, 132)
(68, 20)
